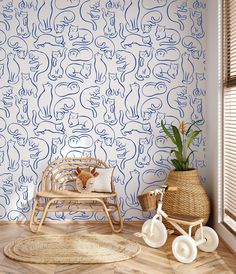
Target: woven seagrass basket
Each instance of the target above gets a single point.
(190, 198)
(148, 201)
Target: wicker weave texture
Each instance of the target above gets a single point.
(190, 197)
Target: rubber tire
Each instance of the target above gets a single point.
(210, 235)
(184, 244)
(159, 235)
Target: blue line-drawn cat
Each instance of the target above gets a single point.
(13, 69)
(126, 150)
(28, 88)
(166, 71)
(3, 54)
(106, 133)
(110, 23)
(6, 100)
(38, 149)
(100, 151)
(152, 4)
(187, 69)
(3, 124)
(2, 141)
(46, 126)
(56, 70)
(22, 28)
(168, 121)
(177, 12)
(57, 145)
(76, 71)
(64, 89)
(19, 133)
(144, 145)
(3, 37)
(167, 36)
(126, 63)
(106, 46)
(134, 39)
(80, 54)
(151, 176)
(132, 16)
(199, 5)
(132, 102)
(134, 126)
(80, 123)
(38, 62)
(196, 105)
(28, 175)
(200, 89)
(13, 156)
(66, 4)
(132, 188)
(164, 142)
(19, 46)
(22, 115)
(161, 158)
(197, 28)
(15, 215)
(154, 88)
(167, 54)
(6, 186)
(109, 116)
(144, 59)
(149, 20)
(149, 107)
(90, 12)
(45, 15)
(90, 99)
(62, 20)
(115, 86)
(4, 17)
(28, 4)
(47, 39)
(177, 99)
(62, 107)
(193, 45)
(200, 164)
(45, 102)
(115, 4)
(81, 215)
(80, 36)
(100, 69)
(80, 141)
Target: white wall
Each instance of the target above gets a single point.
(214, 125)
(95, 78)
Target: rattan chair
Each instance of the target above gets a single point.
(55, 197)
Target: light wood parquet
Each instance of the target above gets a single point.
(149, 261)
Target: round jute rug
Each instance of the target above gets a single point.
(65, 249)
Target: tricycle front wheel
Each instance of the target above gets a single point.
(211, 237)
(157, 237)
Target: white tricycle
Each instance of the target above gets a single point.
(184, 247)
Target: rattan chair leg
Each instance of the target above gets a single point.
(44, 214)
(109, 219)
(32, 218)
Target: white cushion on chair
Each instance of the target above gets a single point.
(102, 182)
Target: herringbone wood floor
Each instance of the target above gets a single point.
(149, 261)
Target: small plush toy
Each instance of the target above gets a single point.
(85, 180)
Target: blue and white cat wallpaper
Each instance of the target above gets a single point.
(95, 78)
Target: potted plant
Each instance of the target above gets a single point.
(190, 198)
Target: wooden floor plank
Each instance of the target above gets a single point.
(149, 261)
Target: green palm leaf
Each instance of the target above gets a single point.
(192, 135)
(188, 130)
(177, 138)
(167, 132)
